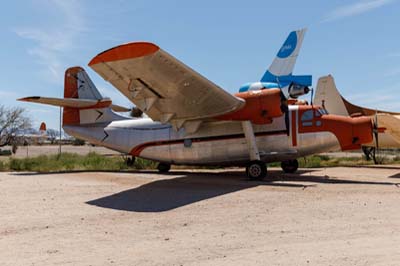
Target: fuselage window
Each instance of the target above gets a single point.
(187, 143)
(323, 111)
(307, 115)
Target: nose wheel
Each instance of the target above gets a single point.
(290, 166)
(256, 170)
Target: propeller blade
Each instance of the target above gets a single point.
(376, 131)
(376, 135)
(312, 96)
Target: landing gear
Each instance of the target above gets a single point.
(290, 166)
(370, 153)
(130, 161)
(163, 167)
(256, 170)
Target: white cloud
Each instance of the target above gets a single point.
(355, 9)
(55, 41)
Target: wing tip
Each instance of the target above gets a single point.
(125, 51)
(29, 99)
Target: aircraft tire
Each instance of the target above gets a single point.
(256, 170)
(290, 166)
(163, 167)
(130, 161)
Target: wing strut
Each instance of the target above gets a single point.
(251, 141)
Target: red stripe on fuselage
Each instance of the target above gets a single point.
(138, 149)
(294, 131)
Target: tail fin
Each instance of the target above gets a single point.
(82, 102)
(77, 84)
(42, 128)
(286, 57)
(328, 96)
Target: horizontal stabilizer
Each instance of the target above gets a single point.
(76, 103)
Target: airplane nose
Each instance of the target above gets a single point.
(362, 130)
(351, 132)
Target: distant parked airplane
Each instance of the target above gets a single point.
(327, 95)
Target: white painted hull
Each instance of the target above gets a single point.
(216, 143)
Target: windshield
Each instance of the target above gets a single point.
(322, 111)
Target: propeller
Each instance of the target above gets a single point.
(284, 106)
(376, 135)
(136, 112)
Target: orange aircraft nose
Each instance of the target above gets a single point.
(350, 132)
(362, 130)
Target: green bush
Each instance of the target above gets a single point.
(144, 164)
(71, 161)
(78, 142)
(3, 166)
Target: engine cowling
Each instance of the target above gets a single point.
(295, 90)
(260, 108)
(258, 86)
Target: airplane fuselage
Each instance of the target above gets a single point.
(217, 142)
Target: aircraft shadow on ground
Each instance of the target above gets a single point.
(168, 194)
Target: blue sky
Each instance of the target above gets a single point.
(230, 43)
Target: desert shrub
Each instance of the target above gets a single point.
(72, 161)
(3, 166)
(78, 142)
(144, 164)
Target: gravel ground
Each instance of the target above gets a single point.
(333, 216)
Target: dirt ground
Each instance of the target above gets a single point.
(335, 216)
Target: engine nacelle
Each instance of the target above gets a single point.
(260, 108)
(258, 86)
(296, 90)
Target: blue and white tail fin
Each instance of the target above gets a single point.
(281, 69)
(286, 57)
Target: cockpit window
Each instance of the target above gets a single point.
(307, 115)
(323, 111)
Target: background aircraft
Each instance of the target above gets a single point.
(327, 95)
(193, 121)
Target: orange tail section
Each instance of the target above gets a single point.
(71, 115)
(82, 102)
(42, 127)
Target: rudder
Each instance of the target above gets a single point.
(328, 96)
(78, 85)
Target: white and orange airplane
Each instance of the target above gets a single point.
(193, 121)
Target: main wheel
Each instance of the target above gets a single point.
(290, 166)
(256, 170)
(163, 167)
(130, 161)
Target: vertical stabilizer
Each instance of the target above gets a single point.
(42, 128)
(286, 57)
(78, 85)
(327, 95)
